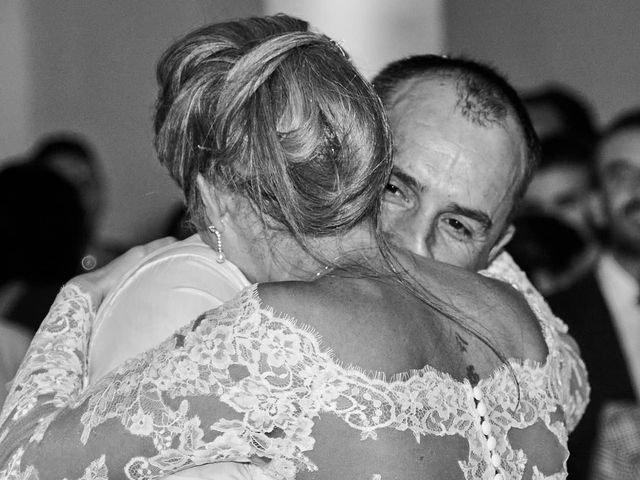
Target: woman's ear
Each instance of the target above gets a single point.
(214, 200)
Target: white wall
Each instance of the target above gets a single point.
(591, 45)
(374, 32)
(89, 66)
(14, 80)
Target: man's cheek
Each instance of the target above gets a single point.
(453, 253)
(386, 218)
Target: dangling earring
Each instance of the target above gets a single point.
(220, 258)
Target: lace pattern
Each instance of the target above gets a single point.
(571, 371)
(56, 359)
(287, 379)
(274, 377)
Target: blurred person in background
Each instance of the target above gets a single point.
(73, 158)
(557, 110)
(602, 307)
(563, 182)
(41, 241)
(550, 251)
(559, 195)
(43, 234)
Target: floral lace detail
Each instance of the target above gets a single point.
(538, 475)
(56, 357)
(97, 470)
(571, 372)
(14, 471)
(51, 377)
(267, 370)
(283, 379)
(273, 377)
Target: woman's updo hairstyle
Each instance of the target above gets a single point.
(277, 114)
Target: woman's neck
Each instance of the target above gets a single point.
(288, 259)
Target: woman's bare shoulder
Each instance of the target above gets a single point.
(499, 307)
(352, 311)
(365, 322)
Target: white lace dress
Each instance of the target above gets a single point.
(244, 384)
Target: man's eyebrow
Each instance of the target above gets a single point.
(477, 215)
(407, 179)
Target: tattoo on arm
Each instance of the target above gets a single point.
(462, 343)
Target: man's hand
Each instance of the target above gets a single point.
(99, 283)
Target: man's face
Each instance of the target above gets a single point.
(545, 119)
(618, 166)
(452, 186)
(563, 190)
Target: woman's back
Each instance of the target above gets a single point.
(424, 398)
(265, 379)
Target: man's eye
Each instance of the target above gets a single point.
(394, 193)
(458, 227)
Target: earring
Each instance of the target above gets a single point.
(221, 258)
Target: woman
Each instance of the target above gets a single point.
(282, 145)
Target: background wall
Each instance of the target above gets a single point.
(374, 32)
(591, 45)
(88, 66)
(14, 79)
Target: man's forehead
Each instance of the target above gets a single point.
(429, 98)
(425, 114)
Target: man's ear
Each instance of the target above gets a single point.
(502, 242)
(214, 201)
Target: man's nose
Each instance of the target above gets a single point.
(415, 234)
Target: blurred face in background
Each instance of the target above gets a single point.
(545, 118)
(618, 169)
(452, 187)
(563, 190)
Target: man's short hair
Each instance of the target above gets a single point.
(484, 97)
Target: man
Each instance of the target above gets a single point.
(556, 222)
(562, 184)
(556, 109)
(602, 308)
(464, 153)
